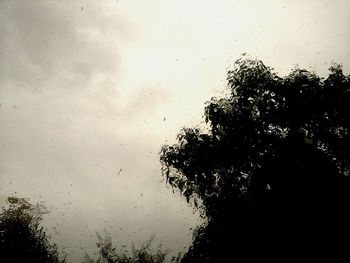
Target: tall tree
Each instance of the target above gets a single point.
(272, 171)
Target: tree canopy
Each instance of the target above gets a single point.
(272, 171)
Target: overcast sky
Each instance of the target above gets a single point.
(90, 90)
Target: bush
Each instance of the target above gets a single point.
(22, 239)
(110, 254)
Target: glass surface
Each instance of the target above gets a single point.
(90, 92)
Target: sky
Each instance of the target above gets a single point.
(91, 90)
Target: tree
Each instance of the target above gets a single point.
(272, 171)
(22, 239)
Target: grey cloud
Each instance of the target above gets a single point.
(59, 72)
(45, 40)
(144, 102)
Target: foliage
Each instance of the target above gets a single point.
(22, 239)
(110, 254)
(273, 170)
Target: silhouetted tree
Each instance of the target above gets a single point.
(22, 239)
(272, 170)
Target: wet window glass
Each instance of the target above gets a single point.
(174, 131)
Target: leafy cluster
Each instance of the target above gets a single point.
(273, 170)
(22, 239)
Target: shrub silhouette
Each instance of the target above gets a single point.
(110, 254)
(272, 171)
(21, 237)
